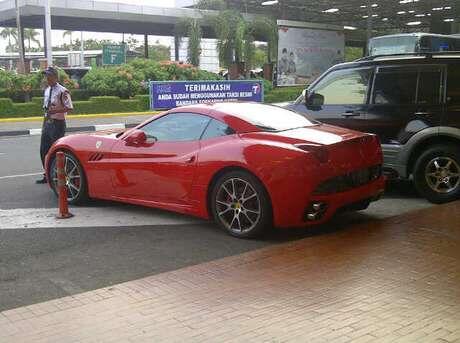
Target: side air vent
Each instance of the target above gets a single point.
(97, 156)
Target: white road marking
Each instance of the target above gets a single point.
(35, 132)
(2, 153)
(114, 216)
(20, 175)
(102, 127)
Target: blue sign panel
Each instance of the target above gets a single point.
(170, 94)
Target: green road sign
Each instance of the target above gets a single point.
(113, 54)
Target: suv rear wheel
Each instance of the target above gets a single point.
(437, 173)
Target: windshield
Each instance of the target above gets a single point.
(392, 45)
(268, 118)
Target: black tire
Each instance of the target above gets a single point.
(76, 175)
(249, 196)
(431, 172)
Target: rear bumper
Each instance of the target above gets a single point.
(393, 163)
(334, 202)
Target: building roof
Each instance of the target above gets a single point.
(97, 16)
(384, 14)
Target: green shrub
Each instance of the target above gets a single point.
(6, 107)
(268, 85)
(38, 100)
(132, 79)
(82, 107)
(123, 81)
(144, 101)
(80, 94)
(107, 104)
(130, 106)
(28, 109)
(282, 94)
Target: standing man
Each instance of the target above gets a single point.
(56, 104)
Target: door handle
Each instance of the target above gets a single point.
(351, 114)
(191, 159)
(422, 113)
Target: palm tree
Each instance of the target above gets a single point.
(191, 28)
(31, 36)
(69, 33)
(10, 33)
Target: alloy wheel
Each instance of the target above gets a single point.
(442, 174)
(238, 205)
(72, 178)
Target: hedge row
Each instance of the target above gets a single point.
(113, 104)
(97, 104)
(282, 94)
(22, 96)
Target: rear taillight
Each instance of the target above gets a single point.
(319, 151)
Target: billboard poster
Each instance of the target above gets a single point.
(171, 94)
(305, 53)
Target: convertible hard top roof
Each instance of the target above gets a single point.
(248, 116)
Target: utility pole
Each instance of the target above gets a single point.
(21, 66)
(48, 46)
(146, 46)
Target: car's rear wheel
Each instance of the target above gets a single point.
(240, 205)
(74, 178)
(437, 173)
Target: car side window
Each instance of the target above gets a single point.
(217, 129)
(395, 86)
(177, 127)
(453, 85)
(429, 86)
(345, 87)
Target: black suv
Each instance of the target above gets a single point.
(412, 102)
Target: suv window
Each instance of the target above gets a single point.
(429, 86)
(345, 87)
(398, 86)
(453, 84)
(217, 129)
(395, 86)
(177, 127)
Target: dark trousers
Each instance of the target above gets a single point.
(52, 130)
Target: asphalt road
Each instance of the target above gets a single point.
(42, 264)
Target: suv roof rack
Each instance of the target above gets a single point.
(428, 54)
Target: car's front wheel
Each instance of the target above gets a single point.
(74, 179)
(437, 173)
(240, 204)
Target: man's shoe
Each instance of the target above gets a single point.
(41, 181)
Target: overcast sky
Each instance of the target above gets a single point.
(57, 38)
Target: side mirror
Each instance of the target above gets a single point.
(314, 100)
(136, 138)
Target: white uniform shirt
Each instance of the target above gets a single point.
(60, 101)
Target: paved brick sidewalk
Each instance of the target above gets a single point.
(396, 280)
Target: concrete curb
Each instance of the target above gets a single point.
(37, 132)
(79, 116)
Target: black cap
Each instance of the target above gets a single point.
(50, 71)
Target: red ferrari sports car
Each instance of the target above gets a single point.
(249, 166)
